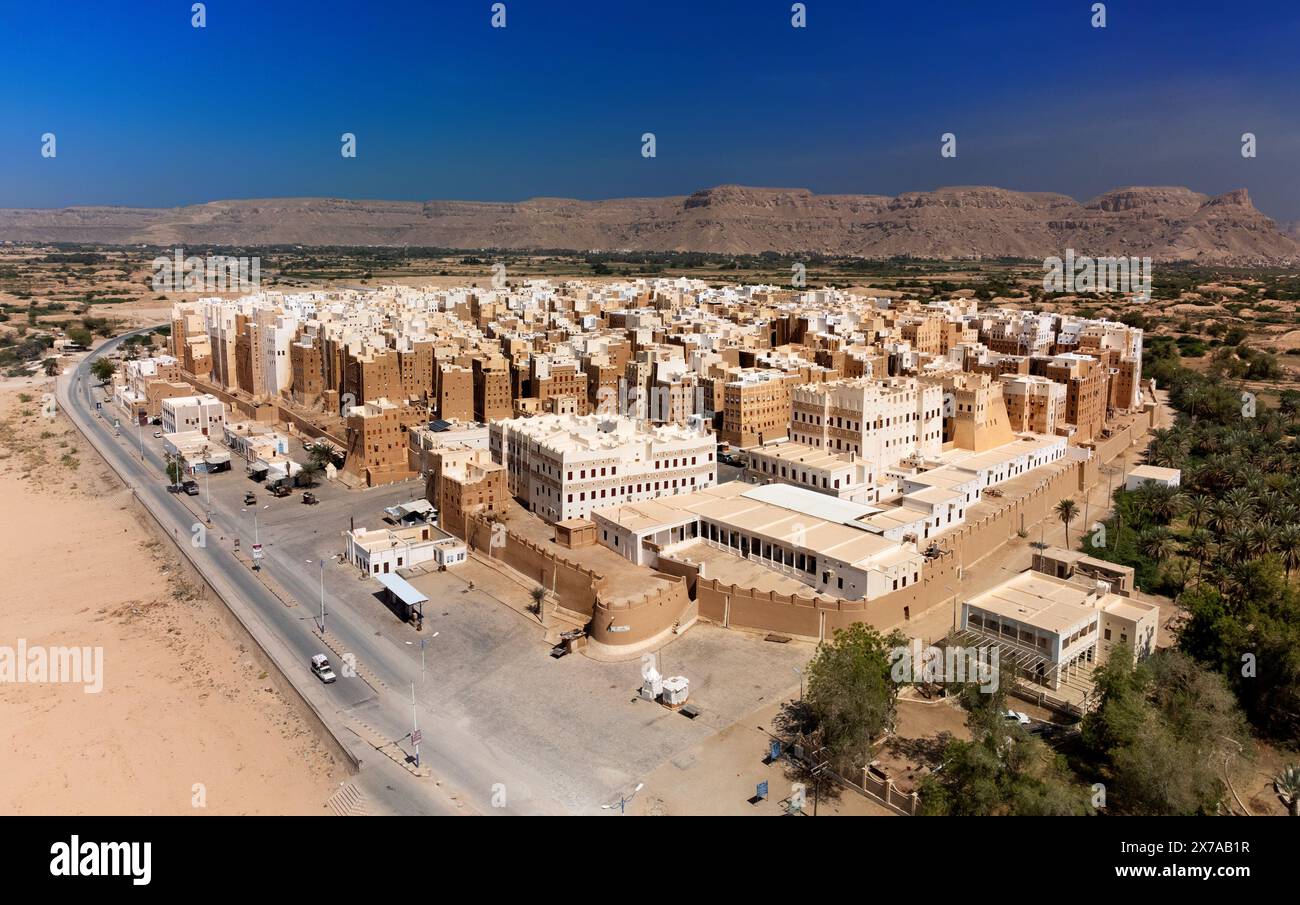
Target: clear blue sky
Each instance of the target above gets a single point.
(150, 111)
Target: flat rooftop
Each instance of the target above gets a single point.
(1039, 600)
(823, 525)
(802, 454)
(1155, 473)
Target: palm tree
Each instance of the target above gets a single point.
(1157, 544)
(1241, 498)
(1264, 537)
(1164, 503)
(1239, 544)
(1066, 510)
(1198, 546)
(310, 473)
(1287, 546)
(321, 453)
(1233, 515)
(538, 594)
(1198, 507)
(1288, 785)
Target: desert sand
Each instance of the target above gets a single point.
(187, 721)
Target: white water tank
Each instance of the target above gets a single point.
(676, 689)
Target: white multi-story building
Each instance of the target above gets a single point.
(883, 421)
(566, 466)
(206, 414)
(843, 475)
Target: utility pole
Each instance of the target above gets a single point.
(207, 482)
(322, 597)
(415, 728)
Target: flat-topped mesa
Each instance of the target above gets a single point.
(1164, 223)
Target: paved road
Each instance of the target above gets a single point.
(463, 770)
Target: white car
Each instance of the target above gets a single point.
(157, 435)
(1015, 716)
(321, 667)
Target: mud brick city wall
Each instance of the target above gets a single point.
(628, 622)
(575, 587)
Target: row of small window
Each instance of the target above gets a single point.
(839, 422)
(624, 490)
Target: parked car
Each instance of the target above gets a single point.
(250, 498)
(309, 498)
(1015, 716)
(157, 435)
(191, 488)
(279, 490)
(321, 667)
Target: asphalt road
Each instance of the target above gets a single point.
(464, 772)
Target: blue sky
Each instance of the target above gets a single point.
(150, 111)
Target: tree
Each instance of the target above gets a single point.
(81, 336)
(1159, 733)
(1002, 769)
(1162, 503)
(1198, 507)
(1198, 545)
(1288, 547)
(103, 369)
(538, 594)
(310, 473)
(1254, 621)
(1288, 785)
(1066, 510)
(1157, 543)
(175, 471)
(851, 694)
(321, 453)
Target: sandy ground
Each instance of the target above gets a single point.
(187, 721)
(719, 777)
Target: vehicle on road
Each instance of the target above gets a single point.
(309, 498)
(157, 435)
(279, 490)
(191, 488)
(320, 665)
(250, 498)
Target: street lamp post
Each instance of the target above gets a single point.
(322, 596)
(415, 728)
(423, 643)
(257, 537)
(623, 800)
(207, 483)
